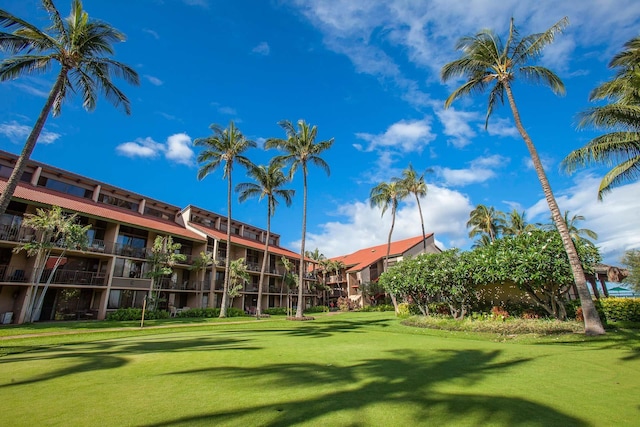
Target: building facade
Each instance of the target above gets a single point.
(366, 265)
(111, 272)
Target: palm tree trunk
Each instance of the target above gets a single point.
(386, 259)
(300, 309)
(227, 264)
(264, 261)
(592, 323)
(424, 239)
(38, 307)
(30, 144)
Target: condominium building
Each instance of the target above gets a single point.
(366, 265)
(111, 272)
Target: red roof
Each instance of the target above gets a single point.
(367, 256)
(238, 240)
(99, 210)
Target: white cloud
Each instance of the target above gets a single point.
(31, 89)
(406, 136)
(261, 49)
(547, 162)
(153, 80)
(456, 125)
(18, 133)
(177, 148)
(445, 213)
(614, 219)
(502, 127)
(480, 170)
(201, 3)
(153, 34)
(369, 33)
(141, 147)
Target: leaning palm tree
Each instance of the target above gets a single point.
(269, 181)
(415, 185)
(80, 47)
(489, 63)
(224, 146)
(621, 147)
(487, 221)
(385, 195)
(301, 149)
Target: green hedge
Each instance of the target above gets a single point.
(136, 313)
(201, 313)
(379, 307)
(621, 309)
(317, 309)
(275, 311)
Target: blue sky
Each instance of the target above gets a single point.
(367, 74)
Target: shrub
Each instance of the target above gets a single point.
(509, 327)
(123, 314)
(200, 313)
(403, 309)
(345, 304)
(275, 311)
(499, 313)
(379, 307)
(317, 309)
(621, 309)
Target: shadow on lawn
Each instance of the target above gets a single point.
(405, 380)
(327, 328)
(614, 339)
(97, 356)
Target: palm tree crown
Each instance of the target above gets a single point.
(301, 149)
(224, 146)
(81, 47)
(487, 221)
(269, 181)
(621, 147)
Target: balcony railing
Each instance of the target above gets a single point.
(187, 285)
(12, 274)
(75, 277)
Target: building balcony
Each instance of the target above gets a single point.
(75, 277)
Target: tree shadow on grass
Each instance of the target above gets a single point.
(615, 339)
(325, 329)
(96, 356)
(407, 380)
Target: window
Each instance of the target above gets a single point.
(130, 268)
(115, 201)
(252, 256)
(156, 213)
(125, 298)
(64, 187)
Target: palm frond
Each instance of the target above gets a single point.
(544, 76)
(57, 24)
(531, 46)
(628, 170)
(18, 66)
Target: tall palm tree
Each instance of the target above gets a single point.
(415, 185)
(489, 63)
(619, 148)
(516, 224)
(224, 146)
(385, 195)
(80, 47)
(269, 181)
(301, 150)
(485, 220)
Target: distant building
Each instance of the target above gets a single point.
(366, 265)
(111, 272)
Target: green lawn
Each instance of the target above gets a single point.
(356, 369)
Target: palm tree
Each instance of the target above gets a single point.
(301, 150)
(238, 276)
(385, 195)
(225, 145)
(516, 224)
(575, 232)
(488, 63)
(485, 220)
(54, 229)
(79, 46)
(269, 181)
(415, 185)
(620, 147)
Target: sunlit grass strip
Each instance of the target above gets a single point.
(498, 326)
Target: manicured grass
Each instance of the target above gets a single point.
(355, 369)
